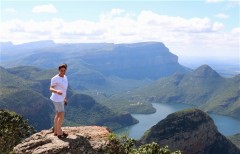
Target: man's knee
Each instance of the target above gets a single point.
(61, 114)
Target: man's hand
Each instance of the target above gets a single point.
(59, 92)
(65, 101)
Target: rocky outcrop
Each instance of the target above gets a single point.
(191, 131)
(81, 140)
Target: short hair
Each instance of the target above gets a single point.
(62, 66)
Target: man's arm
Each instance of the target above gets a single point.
(52, 89)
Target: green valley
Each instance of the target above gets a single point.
(25, 90)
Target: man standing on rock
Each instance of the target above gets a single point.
(58, 87)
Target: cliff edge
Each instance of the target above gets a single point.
(83, 139)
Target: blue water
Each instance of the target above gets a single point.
(226, 125)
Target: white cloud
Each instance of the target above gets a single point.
(217, 26)
(222, 16)
(236, 30)
(184, 37)
(232, 4)
(178, 24)
(117, 11)
(9, 10)
(49, 8)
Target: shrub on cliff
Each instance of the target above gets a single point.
(13, 128)
(125, 145)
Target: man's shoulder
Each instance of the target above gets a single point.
(55, 77)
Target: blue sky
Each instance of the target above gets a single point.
(203, 28)
(90, 10)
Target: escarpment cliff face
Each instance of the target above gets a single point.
(136, 61)
(191, 131)
(81, 140)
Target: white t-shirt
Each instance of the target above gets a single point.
(59, 83)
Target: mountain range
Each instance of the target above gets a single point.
(118, 77)
(203, 88)
(101, 70)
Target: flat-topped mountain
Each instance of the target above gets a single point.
(136, 61)
(191, 131)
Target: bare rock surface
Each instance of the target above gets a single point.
(80, 140)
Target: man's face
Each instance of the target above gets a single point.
(62, 71)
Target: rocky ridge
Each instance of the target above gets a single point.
(192, 131)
